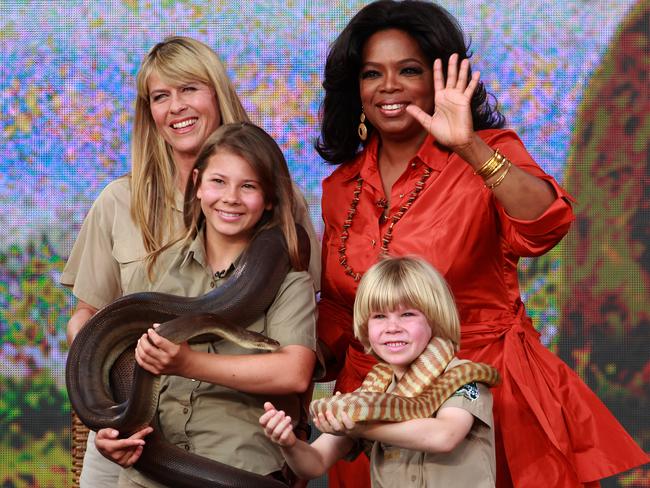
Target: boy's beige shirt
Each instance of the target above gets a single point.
(471, 463)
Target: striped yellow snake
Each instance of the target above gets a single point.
(423, 388)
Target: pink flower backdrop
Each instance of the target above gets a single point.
(571, 77)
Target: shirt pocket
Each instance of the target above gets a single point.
(133, 270)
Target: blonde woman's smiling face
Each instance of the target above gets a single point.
(185, 114)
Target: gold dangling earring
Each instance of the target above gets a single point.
(362, 130)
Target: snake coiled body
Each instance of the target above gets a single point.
(108, 389)
(423, 388)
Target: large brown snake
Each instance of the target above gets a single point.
(108, 389)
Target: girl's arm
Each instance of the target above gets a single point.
(79, 317)
(283, 372)
(440, 434)
(308, 461)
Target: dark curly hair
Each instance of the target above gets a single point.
(439, 36)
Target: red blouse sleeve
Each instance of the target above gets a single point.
(532, 237)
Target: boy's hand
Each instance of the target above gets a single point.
(277, 426)
(124, 452)
(329, 424)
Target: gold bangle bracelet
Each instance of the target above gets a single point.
(496, 169)
(491, 166)
(488, 166)
(499, 180)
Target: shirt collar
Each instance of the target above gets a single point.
(430, 154)
(179, 197)
(195, 250)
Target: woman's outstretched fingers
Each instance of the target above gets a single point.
(438, 77)
(452, 71)
(473, 83)
(420, 115)
(463, 75)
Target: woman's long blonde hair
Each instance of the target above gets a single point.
(176, 60)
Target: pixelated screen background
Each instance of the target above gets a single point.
(571, 77)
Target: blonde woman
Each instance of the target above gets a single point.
(184, 94)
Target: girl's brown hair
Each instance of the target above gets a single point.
(254, 145)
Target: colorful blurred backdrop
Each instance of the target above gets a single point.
(572, 77)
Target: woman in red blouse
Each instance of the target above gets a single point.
(437, 176)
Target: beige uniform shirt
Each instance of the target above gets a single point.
(107, 259)
(215, 421)
(471, 463)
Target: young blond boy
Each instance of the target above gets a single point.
(400, 305)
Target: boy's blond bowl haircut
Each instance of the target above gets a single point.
(409, 282)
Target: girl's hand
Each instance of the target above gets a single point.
(161, 356)
(124, 452)
(451, 123)
(277, 426)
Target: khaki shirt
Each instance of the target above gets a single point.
(107, 259)
(215, 421)
(471, 463)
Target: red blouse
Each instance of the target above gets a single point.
(457, 224)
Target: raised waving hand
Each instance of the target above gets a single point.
(451, 123)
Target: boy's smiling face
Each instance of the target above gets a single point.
(399, 336)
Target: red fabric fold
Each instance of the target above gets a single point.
(550, 429)
(550, 424)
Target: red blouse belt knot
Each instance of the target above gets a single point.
(480, 334)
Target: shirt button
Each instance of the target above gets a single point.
(185, 410)
(413, 477)
(187, 448)
(401, 195)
